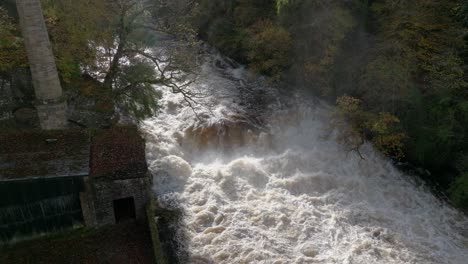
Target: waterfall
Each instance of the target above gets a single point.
(269, 183)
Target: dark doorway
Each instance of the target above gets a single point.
(124, 209)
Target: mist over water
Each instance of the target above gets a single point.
(268, 183)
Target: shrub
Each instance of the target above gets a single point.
(459, 191)
(269, 48)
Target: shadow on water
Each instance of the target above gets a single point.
(173, 238)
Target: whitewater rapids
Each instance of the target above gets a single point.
(285, 191)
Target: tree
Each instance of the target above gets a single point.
(50, 103)
(357, 125)
(114, 42)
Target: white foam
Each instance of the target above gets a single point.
(175, 166)
(295, 196)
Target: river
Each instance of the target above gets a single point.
(267, 182)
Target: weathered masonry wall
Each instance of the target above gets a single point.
(52, 115)
(118, 171)
(97, 202)
(51, 180)
(159, 251)
(50, 106)
(39, 206)
(40, 56)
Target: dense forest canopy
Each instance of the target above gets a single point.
(396, 70)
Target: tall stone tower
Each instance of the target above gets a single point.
(50, 104)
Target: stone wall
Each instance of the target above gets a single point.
(118, 170)
(42, 64)
(40, 56)
(158, 250)
(6, 100)
(52, 115)
(97, 201)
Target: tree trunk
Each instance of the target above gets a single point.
(50, 103)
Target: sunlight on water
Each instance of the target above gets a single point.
(288, 193)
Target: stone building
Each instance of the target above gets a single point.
(54, 180)
(41, 176)
(118, 186)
